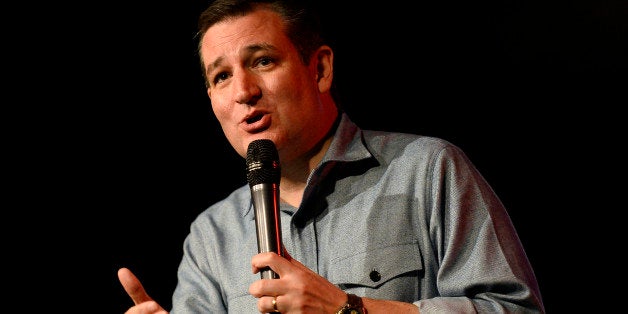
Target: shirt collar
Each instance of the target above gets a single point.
(347, 144)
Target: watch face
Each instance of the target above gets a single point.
(352, 311)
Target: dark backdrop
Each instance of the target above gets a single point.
(126, 152)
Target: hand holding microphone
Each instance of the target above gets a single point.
(263, 173)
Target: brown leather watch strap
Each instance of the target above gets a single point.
(352, 306)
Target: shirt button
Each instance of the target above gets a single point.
(375, 276)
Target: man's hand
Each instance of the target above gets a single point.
(297, 290)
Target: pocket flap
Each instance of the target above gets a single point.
(375, 267)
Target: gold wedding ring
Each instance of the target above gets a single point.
(275, 304)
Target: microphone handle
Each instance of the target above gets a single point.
(267, 221)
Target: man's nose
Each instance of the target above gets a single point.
(246, 88)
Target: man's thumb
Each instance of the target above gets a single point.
(132, 286)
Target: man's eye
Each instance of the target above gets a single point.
(265, 61)
(220, 77)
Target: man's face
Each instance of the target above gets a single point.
(258, 85)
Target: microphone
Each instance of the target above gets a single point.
(263, 173)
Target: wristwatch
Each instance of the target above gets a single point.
(353, 306)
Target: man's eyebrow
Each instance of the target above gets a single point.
(213, 65)
(261, 46)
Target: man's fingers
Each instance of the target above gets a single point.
(133, 286)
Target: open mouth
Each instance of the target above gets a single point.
(254, 119)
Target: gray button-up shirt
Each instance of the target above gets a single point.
(385, 215)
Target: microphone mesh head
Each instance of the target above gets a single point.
(262, 162)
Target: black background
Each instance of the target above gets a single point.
(120, 150)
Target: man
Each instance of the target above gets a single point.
(372, 221)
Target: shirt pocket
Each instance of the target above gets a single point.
(393, 272)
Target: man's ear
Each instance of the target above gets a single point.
(324, 57)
